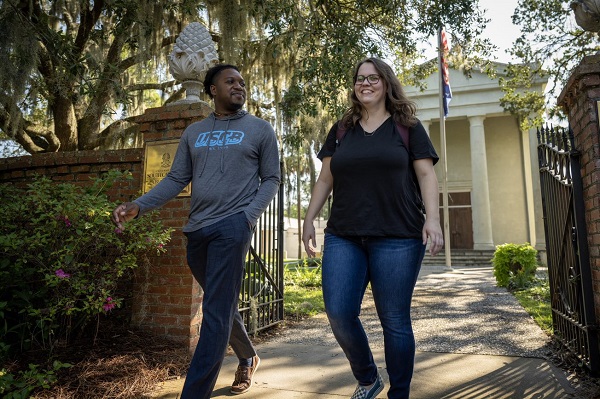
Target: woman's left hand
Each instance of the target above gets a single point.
(433, 230)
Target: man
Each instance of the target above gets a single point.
(232, 161)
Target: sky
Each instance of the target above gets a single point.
(500, 29)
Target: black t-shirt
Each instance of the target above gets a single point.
(375, 192)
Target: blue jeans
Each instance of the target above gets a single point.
(216, 256)
(392, 266)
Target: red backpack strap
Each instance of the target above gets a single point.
(340, 132)
(403, 130)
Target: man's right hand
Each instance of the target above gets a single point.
(124, 213)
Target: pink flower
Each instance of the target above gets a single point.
(67, 222)
(160, 246)
(61, 274)
(118, 230)
(109, 305)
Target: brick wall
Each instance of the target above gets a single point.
(166, 299)
(578, 99)
(77, 168)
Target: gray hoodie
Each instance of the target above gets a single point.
(233, 165)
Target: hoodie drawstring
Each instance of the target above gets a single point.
(207, 147)
(223, 152)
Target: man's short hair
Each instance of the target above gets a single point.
(212, 73)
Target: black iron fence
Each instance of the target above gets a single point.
(261, 297)
(569, 273)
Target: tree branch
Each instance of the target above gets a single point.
(24, 132)
(150, 86)
(178, 95)
(90, 122)
(88, 21)
(135, 59)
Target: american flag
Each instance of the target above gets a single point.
(446, 91)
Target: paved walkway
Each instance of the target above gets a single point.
(473, 341)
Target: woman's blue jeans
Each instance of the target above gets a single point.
(216, 256)
(392, 266)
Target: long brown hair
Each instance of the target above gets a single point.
(397, 103)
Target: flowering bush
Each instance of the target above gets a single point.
(62, 260)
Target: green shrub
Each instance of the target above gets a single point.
(514, 265)
(303, 294)
(304, 273)
(26, 381)
(62, 260)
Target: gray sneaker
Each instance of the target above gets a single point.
(363, 393)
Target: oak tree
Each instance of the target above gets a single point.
(73, 71)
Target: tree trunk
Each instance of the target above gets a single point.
(89, 127)
(65, 124)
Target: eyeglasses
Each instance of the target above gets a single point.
(373, 79)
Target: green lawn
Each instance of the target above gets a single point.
(303, 301)
(536, 301)
(303, 295)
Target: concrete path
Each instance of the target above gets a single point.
(318, 369)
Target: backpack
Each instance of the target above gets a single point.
(403, 130)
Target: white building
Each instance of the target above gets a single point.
(493, 178)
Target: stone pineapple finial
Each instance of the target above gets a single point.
(193, 54)
(587, 14)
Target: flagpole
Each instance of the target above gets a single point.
(443, 156)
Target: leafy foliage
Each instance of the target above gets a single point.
(303, 294)
(514, 265)
(325, 40)
(550, 46)
(69, 67)
(72, 70)
(62, 261)
(527, 104)
(304, 273)
(26, 381)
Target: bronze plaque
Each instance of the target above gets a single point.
(158, 158)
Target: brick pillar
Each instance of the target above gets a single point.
(166, 297)
(579, 100)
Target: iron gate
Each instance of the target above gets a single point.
(261, 296)
(569, 273)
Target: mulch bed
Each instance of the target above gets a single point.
(121, 364)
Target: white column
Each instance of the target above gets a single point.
(538, 240)
(426, 125)
(528, 177)
(480, 195)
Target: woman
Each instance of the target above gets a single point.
(377, 232)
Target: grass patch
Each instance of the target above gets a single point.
(303, 301)
(303, 294)
(536, 301)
